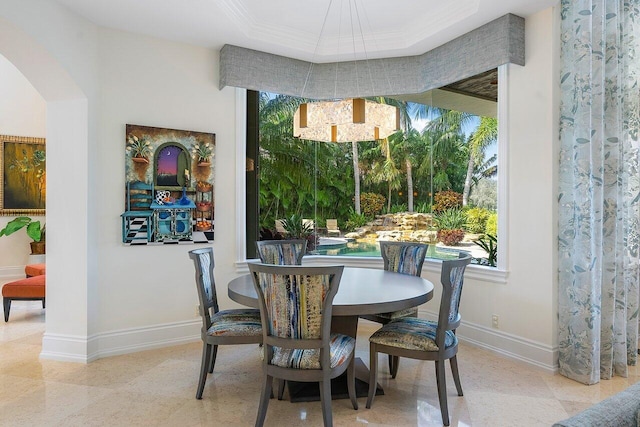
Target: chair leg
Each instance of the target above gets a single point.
(206, 357)
(212, 362)
(456, 376)
(280, 389)
(264, 400)
(442, 391)
(7, 306)
(394, 361)
(325, 400)
(373, 373)
(351, 382)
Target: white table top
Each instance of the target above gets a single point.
(361, 291)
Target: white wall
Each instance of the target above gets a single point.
(526, 304)
(22, 113)
(140, 297)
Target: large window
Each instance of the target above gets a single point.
(433, 181)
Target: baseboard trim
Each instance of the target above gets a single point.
(13, 272)
(510, 346)
(84, 350)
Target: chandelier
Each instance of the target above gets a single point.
(347, 120)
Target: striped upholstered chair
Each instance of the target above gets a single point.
(282, 252)
(424, 339)
(404, 258)
(238, 326)
(296, 307)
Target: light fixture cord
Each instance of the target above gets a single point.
(382, 63)
(364, 48)
(315, 51)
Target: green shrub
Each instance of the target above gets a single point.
(444, 200)
(355, 221)
(296, 228)
(424, 207)
(490, 244)
(399, 208)
(492, 225)
(371, 204)
(477, 220)
(451, 219)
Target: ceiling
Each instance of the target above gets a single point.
(294, 28)
(317, 30)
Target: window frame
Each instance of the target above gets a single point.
(497, 274)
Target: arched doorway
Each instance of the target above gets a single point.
(69, 285)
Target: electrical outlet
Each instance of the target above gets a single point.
(495, 321)
(197, 312)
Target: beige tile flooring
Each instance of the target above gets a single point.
(157, 388)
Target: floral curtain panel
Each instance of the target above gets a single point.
(599, 188)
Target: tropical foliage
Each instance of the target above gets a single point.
(326, 180)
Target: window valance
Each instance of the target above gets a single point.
(497, 43)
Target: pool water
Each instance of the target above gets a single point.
(363, 249)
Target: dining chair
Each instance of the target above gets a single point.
(424, 339)
(237, 326)
(282, 252)
(403, 258)
(295, 308)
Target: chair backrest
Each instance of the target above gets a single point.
(203, 261)
(282, 252)
(403, 257)
(295, 308)
(452, 279)
(139, 196)
(332, 224)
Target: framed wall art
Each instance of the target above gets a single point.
(171, 173)
(23, 170)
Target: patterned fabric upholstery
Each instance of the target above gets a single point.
(341, 348)
(411, 333)
(205, 263)
(405, 259)
(294, 310)
(240, 322)
(457, 278)
(280, 254)
(407, 312)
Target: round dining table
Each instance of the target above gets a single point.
(362, 291)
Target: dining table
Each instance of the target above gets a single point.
(361, 291)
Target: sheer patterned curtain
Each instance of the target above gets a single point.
(599, 188)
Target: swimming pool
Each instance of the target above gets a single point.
(365, 249)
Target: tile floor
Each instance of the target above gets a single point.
(157, 388)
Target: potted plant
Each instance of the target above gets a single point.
(140, 149)
(35, 231)
(202, 153)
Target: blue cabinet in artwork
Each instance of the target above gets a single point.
(172, 222)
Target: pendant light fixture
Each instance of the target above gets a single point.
(345, 120)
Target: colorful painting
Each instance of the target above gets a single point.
(23, 170)
(178, 167)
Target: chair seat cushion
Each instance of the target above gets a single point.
(240, 322)
(411, 333)
(407, 312)
(31, 287)
(35, 270)
(341, 348)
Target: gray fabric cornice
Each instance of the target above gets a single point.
(499, 42)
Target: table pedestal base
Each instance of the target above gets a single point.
(310, 392)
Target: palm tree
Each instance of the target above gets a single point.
(483, 137)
